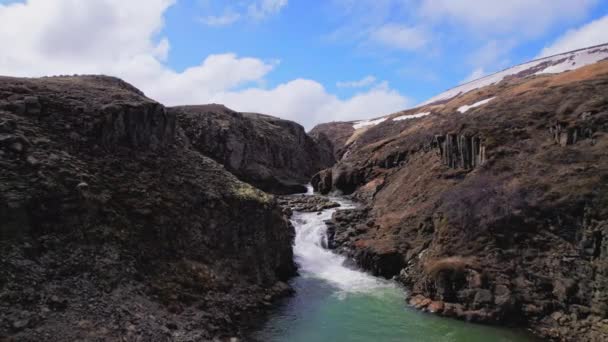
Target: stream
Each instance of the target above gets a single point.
(336, 303)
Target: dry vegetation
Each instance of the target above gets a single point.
(453, 264)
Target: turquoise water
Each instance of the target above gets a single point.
(336, 303)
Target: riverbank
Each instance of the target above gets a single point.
(336, 302)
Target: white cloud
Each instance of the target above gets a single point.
(529, 18)
(257, 10)
(309, 102)
(228, 18)
(593, 33)
(364, 82)
(123, 38)
(399, 36)
(264, 8)
(73, 36)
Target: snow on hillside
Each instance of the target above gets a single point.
(549, 65)
(463, 109)
(413, 116)
(553, 64)
(361, 124)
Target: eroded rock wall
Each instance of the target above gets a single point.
(496, 215)
(272, 154)
(111, 227)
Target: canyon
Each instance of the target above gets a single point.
(121, 218)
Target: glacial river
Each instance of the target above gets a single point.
(335, 303)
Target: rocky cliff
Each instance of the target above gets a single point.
(491, 205)
(112, 227)
(333, 136)
(274, 155)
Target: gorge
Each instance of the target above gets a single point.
(121, 218)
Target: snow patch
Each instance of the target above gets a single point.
(474, 105)
(577, 60)
(553, 64)
(361, 124)
(414, 116)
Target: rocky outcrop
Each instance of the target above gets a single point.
(333, 136)
(322, 181)
(112, 227)
(344, 231)
(272, 154)
(460, 151)
(306, 203)
(564, 135)
(343, 179)
(495, 215)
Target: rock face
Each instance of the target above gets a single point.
(112, 227)
(274, 155)
(333, 136)
(307, 203)
(460, 151)
(496, 215)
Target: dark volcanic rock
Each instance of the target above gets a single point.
(344, 233)
(322, 181)
(112, 228)
(307, 203)
(499, 214)
(274, 155)
(460, 151)
(333, 136)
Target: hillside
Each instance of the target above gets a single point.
(112, 227)
(544, 66)
(489, 201)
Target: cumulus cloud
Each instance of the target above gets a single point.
(73, 36)
(124, 39)
(364, 82)
(309, 101)
(593, 33)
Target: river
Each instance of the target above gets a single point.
(336, 303)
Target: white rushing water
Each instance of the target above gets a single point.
(318, 262)
(309, 190)
(335, 303)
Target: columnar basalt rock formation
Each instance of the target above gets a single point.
(460, 151)
(112, 227)
(564, 135)
(497, 214)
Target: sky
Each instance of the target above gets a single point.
(310, 61)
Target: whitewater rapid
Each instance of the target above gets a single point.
(316, 261)
(335, 303)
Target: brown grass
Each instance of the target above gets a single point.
(455, 264)
(356, 134)
(588, 72)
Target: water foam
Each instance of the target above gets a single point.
(318, 262)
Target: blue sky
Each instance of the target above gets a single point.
(306, 60)
(300, 36)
